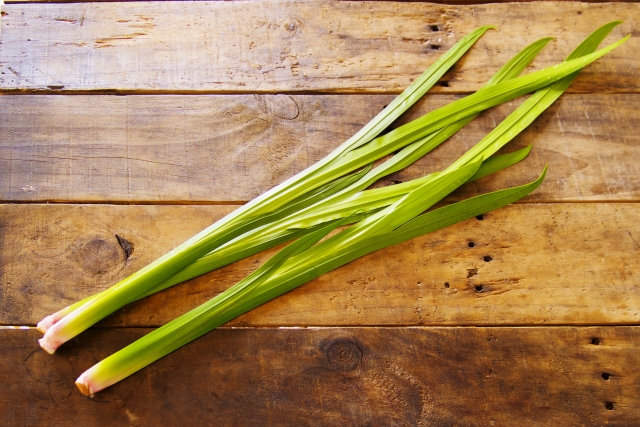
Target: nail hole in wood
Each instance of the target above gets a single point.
(487, 258)
(446, 285)
(606, 376)
(479, 288)
(434, 28)
(434, 46)
(443, 83)
(471, 244)
(595, 341)
(608, 405)
(480, 217)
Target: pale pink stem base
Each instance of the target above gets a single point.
(53, 339)
(46, 323)
(84, 384)
(46, 346)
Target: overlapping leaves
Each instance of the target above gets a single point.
(330, 194)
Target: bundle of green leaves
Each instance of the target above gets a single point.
(331, 194)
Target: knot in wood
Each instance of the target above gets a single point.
(100, 256)
(343, 355)
(283, 106)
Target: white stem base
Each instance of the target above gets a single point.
(46, 347)
(44, 325)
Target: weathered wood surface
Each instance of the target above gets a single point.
(530, 264)
(450, 2)
(386, 347)
(272, 47)
(184, 149)
(341, 376)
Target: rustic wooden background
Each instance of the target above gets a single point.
(146, 121)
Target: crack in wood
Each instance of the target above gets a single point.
(126, 246)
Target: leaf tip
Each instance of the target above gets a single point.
(485, 28)
(544, 173)
(545, 41)
(541, 43)
(524, 152)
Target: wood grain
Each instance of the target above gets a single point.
(342, 376)
(223, 100)
(270, 47)
(451, 2)
(222, 149)
(530, 264)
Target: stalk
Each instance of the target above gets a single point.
(395, 223)
(83, 317)
(275, 231)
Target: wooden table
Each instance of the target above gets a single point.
(125, 128)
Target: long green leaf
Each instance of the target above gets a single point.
(318, 213)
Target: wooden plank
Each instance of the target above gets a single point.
(271, 47)
(452, 2)
(530, 264)
(225, 149)
(344, 376)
